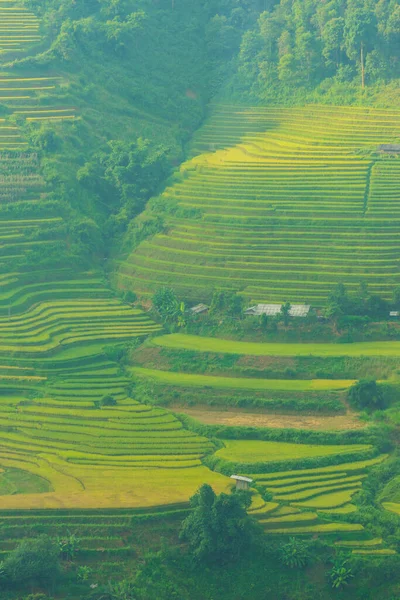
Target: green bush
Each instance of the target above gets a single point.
(366, 394)
(34, 560)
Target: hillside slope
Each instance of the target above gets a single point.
(278, 204)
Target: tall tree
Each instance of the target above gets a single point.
(359, 31)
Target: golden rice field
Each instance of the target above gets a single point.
(279, 204)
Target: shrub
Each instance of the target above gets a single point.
(366, 394)
(108, 400)
(69, 546)
(33, 560)
(340, 574)
(295, 553)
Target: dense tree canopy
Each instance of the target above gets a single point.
(218, 529)
(302, 42)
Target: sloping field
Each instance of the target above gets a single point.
(193, 380)
(278, 204)
(305, 502)
(204, 344)
(235, 417)
(259, 451)
(128, 454)
(19, 28)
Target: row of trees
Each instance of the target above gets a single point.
(361, 303)
(302, 42)
(342, 307)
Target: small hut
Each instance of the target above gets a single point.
(199, 309)
(242, 483)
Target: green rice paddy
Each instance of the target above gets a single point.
(192, 380)
(252, 451)
(205, 344)
(305, 502)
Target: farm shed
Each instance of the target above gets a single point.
(299, 310)
(242, 483)
(296, 310)
(390, 148)
(199, 309)
(264, 309)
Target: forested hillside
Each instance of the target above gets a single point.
(299, 45)
(132, 128)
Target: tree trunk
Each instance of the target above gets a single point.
(362, 66)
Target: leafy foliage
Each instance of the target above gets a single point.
(295, 553)
(218, 530)
(300, 44)
(340, 574)
(33, 560)
(366, 394)
(166, 304)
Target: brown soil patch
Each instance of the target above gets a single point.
(236, 417)
(265, 362)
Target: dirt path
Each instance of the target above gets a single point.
(236, 416)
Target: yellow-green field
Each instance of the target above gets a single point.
(206, 344)
(251, 451)
(188, 380)
(279, 204)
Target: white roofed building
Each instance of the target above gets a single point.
(242, 483)
(296, 310)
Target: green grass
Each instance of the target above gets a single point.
(15, 481)
(392, 507)
(193, 380)
(205, 344)
(258, 451)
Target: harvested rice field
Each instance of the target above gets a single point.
(236, 417)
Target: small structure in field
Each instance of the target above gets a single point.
(199, 309)
(389, 148)
(299, 310)
(271, 310)
(242, 483)
(394, 313)
(264, 309)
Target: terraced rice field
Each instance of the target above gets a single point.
(55, 321)
(211, 381)
(105, 535)
(31, 99)
(19, 28)
(279, 204)
(129, 454)
(204, 344)
(306, 501)
(245, 451)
